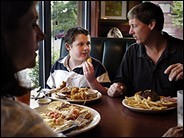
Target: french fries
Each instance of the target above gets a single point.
(140, 102)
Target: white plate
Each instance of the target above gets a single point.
(145, 110)
(99, 95)
(92, 124)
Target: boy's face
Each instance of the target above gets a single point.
(80, 48)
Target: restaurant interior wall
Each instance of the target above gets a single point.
(100, 27)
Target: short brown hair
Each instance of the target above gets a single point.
(147, 12)
(72, 32)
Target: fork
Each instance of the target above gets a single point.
(75, 124)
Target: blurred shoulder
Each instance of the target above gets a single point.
(17, 109)
(173, 40)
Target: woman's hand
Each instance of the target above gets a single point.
(116, 89)
(175, 71)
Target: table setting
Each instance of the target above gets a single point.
(113, 119)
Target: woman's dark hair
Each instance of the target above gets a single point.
(147, 12)
(72, 32)
(11, 13)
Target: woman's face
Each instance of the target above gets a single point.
(80, 48)
(25, 40)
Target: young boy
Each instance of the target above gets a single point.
(77, 69)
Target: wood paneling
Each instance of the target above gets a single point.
(100, 28)
(94, 18)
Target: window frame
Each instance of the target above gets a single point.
(45, 46)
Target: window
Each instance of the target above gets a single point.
(55, 17)
(173, 26)
(63, 16)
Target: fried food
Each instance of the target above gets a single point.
(146, 102)
(63, 84)
(74, 90)
(74, 93)
(89, 60)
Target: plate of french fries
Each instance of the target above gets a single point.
(141, 104)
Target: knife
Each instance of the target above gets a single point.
(75, 126)
(69, 129)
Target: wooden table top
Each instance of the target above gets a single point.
(119, 121)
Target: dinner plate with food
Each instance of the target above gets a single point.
(67, 118)
(149, 102)
(74, 94)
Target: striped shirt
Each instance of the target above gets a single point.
(75, 78)
(19, 120)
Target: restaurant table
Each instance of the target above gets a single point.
(119, 121)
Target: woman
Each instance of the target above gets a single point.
(20, 35)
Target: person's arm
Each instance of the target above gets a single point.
(174, 132)
(96, 85)
(116, 89)
(89, 73)
(175, 71)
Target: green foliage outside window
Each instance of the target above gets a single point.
(63, 17)
(34, 74)
(177, 13)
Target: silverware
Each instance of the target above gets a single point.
(69, 129)
(37, 96)
(80, 121)
(39, 91)
(44, 91)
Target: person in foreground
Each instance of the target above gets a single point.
(176, 131)
(78, 69)
(155, 61)
(20, 35)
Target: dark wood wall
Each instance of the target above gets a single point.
(100, 27)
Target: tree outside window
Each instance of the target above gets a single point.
(177, 13)
(63, 17)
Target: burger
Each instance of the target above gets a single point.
(148, 93)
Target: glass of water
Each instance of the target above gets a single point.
(180, 107)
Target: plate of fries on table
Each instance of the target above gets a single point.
(63, 116)
(150, 102)
(74, 94)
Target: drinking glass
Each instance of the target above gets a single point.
(180, 107)
(26, 97)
